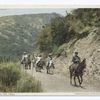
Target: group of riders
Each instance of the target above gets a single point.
(28, 61)
(76, 68)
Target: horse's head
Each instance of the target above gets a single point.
(84, 64)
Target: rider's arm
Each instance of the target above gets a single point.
(73, 59)
(22, 57)
(79, 59)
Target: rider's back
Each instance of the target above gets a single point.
(76, 59)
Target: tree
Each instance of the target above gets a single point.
(45, 40)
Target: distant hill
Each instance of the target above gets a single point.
(18, 32)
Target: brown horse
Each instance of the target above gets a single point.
(76, 70)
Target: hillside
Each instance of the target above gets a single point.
(77, 31)
(18, 33)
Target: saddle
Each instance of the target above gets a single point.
(74, 66)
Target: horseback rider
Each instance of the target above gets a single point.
(77, 68)
(38, 59)
(24, 57)
(76, 59)
(50, 60)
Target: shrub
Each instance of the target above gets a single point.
(12, 79)
(28, 84)
(9, 74)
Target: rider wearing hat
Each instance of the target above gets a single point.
(49, 60)
(24, 57)
(76, 59)
(38, 59)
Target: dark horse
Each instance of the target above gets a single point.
(77, 70)
(39, 66)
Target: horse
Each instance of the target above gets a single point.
(49, 67)
(77, 70)
(26, 63)
(29, 63)
(39, 66)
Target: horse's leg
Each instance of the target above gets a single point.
(40, 68)
(75, 80)
(81, 79)
(52, 70)
(36, 68)
(25, 67)
(70, 77)
(78, 77)
(30, 66)
(47, 70)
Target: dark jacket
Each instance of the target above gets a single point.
(76, 59)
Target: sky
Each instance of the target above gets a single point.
(17, 11)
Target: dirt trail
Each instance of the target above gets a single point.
(59, 83)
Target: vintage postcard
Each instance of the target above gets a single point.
(49, 50)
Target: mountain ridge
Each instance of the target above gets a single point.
(18, 32)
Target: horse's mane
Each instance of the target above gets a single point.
(83, 62)
(82, 65)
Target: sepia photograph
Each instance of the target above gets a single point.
(50, 51)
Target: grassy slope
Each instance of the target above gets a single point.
(13, 79)
(89, 48)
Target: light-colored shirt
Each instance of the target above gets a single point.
(38, 59)
(24, 57)
(50, 61)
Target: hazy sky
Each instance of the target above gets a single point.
(6, 12)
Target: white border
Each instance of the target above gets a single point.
(50, 6)
(53, 94)
(50, 2)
